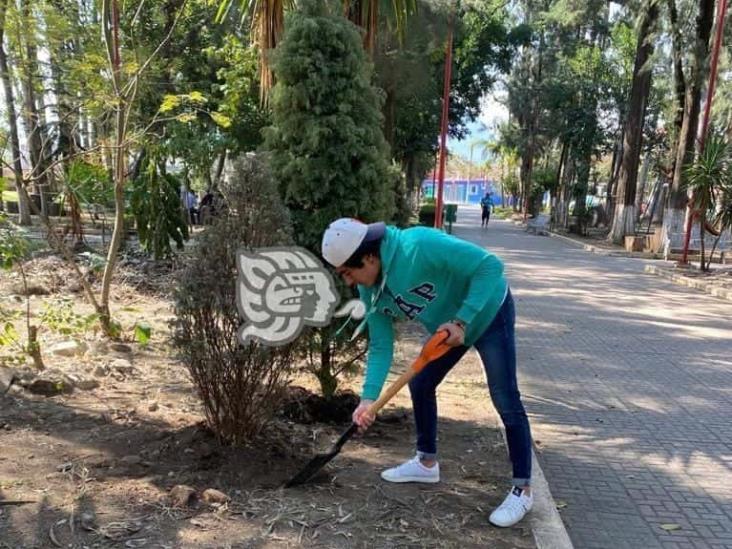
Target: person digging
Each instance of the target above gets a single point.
(447, 284)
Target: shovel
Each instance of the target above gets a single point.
(432, 350)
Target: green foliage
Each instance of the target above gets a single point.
(89, 183)
(59, 316)
(511, 184)
(115, 329)
(13, 246)
(483, 49)
(709, 178)
(9, 335)
(502, 213)
(143, 333)
(412, 73)
(156, 206)
(427, 214)
(403, 209)
(709, 174)
(723, 216)
(187, 106)
(239, 91)
(11, 346)
(327, 148)
(239, 385)
(545, 179)
(94, 261)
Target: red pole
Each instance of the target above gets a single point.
(443, 126)
(721, 13)
(713, 69)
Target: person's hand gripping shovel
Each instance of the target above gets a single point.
(432, 350)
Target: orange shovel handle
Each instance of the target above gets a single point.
(432, 350)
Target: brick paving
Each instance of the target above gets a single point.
(627, 379)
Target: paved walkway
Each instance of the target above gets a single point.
(628, 383)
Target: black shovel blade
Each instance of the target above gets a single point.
(319, 461)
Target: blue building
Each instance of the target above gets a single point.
(463, 191)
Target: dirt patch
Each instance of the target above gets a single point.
(98, 465)
(303, 406)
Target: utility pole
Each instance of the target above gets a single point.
(444, 124)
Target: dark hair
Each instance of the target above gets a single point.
(370, 247)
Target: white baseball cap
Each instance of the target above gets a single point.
(344, 236)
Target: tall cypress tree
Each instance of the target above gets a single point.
(328, 151)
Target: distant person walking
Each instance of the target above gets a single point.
(486, 204)
(190, 203)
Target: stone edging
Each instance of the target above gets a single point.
(596, 249)
(604, 251)
(546, 523)
(724, 293)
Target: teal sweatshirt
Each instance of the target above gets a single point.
(432, 277)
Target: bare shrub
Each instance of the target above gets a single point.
(239, 384)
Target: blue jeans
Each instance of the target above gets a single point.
(497, 350)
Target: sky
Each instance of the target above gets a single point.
(492, 113)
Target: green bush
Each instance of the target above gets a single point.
(240, 385)
(327, 148)
(328, 151)
(155, 204)
(427, 214)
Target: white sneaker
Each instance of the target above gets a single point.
(412, 471)
(513, 508)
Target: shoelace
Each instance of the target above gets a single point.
(513, 504)
(405, 465)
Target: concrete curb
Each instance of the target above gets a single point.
(723, 293)
(596, 249)
(602, 251)
(546, 523)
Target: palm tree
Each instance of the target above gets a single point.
(723, 217)
(708, 177)
(267, 22)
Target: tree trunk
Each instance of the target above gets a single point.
(324, 373)
(610, 194)
(673, 221)
(554, 213)
(24, 217)
(624, 217)
(68, 138)
(110, 28)
(645, 167)
(31, 119)
(219, 170)
(527, 166)
(565, 190)
(679, 82)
